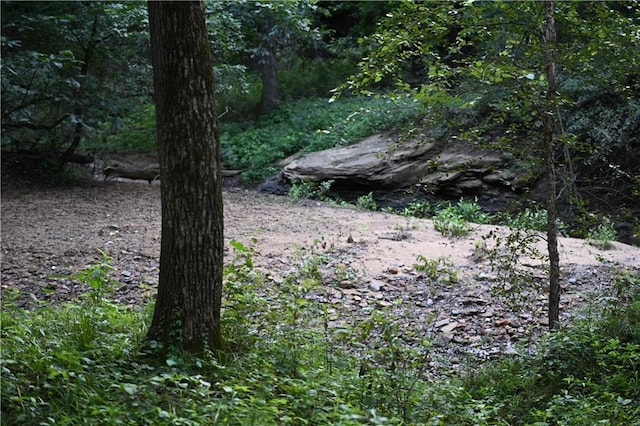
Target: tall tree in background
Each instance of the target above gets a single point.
(266, 33)
(549, 39)
(187, 310)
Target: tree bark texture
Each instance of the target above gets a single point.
(187, 310)
(549, 148)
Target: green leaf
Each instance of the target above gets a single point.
(130, 388)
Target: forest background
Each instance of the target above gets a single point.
(76, 85)
(303, 76)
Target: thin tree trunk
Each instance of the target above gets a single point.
(187, 310)
(549, 147)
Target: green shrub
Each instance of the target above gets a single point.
(530, 219)
(454, 219)
(420, 209)
(439, 270)
(310, 190)
(367, 202)
(449, 223)
(305, 126)
(317, 78)
(134, 133)
(602, 235)
(449, 219)
(96, 277)
(587, 373)
(471, 212)
(52, 355)
(518, 285)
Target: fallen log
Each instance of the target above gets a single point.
(149, 173)
(229, 173)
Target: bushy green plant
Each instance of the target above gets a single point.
(535, 220)
(453, 219)
(584, 374)
(238, 92)
(367, 202)
(133, 133)
(52, 354)
(440, 270)
(304, 78)
(603, 235)
(530, 219)
(242, 301)
(419, 209)
(623, 311)
(449, 222)
(519, 285)
(302, 190)
(471, 211)
(96, 277)
(391, 368)
(312, 190)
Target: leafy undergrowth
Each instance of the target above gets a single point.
(306, 126)
(288, 362)
(302, 126)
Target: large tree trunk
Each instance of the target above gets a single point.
(187, 310)
(549, 147)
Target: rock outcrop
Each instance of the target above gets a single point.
(383, 163)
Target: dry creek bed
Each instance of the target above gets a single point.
(48, 234)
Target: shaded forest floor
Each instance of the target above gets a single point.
(367, 261)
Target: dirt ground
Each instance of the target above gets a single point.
(49, 234)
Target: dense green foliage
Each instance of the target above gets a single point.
(84, 362)
(306, 126)
(68, 68)
(479, 68)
